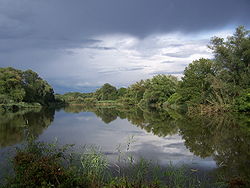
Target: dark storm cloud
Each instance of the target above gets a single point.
(46, 35)
(71, 23)
(101, 48)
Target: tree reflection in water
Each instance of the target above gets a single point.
(14, 126)
(224, 137)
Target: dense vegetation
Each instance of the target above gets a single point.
(208, 85)
(224, 137)
(224, 81)
(15, 125)
(219, 84)
(39, 164)
(18, 86)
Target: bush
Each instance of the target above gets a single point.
(243, 101)
(40, 164)
(4, 99)
(174, 99)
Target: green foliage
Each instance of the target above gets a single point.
(39, 164)
(90, 101)
(24, 86)
(135, 92)
(233, 57)
(158, 122)
(151, 92)
(94, 164)
(172, 101)
(174, 106)
(15, 125)
(76, 98)
(243, 101)
(33, 170)
(220, 82)
(225, 137)
(11, 84)
(59, 100)
(195, 86)
(5, 99)
(159, 89)
(106, 92)
(121, 92)
(37, 90)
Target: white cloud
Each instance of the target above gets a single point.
(117, 59)
(124, 59)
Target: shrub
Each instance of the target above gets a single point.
(243, 101)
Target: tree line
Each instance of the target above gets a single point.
(217, 84)
(18, 86)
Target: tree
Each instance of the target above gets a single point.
(159, 89)
(106, 92)
(11, 85)
(24, 86)
(222, 81)
(121, 92)
(37, 90)
(232, 56)
(135, 92)
(195, 87)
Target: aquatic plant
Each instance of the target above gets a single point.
(39, 164)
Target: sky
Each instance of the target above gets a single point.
(78, 45)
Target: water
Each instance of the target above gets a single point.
(217, 144)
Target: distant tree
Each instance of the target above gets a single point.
(135, 92)
(76, 98)
(195, 87)
(159, 89)
(27, 86)
(106, 92)
(121, 92)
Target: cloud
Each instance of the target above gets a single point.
(121, 69)
(74, 43)
(101, 48)
(179, 54)
(117, 59)
(166, 62)
(167, 72)
(73, 21)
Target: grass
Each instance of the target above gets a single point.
(17, 106)
(39, 164)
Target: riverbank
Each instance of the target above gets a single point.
(105, 103)
(18, 106)
(39, 164)
(110, 127)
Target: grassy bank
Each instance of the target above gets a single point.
(18, 106)
(99, 104)
(108, 103)
(38, 164)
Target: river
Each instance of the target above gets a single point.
(215, 144)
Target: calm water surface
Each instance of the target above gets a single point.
(218, 143)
